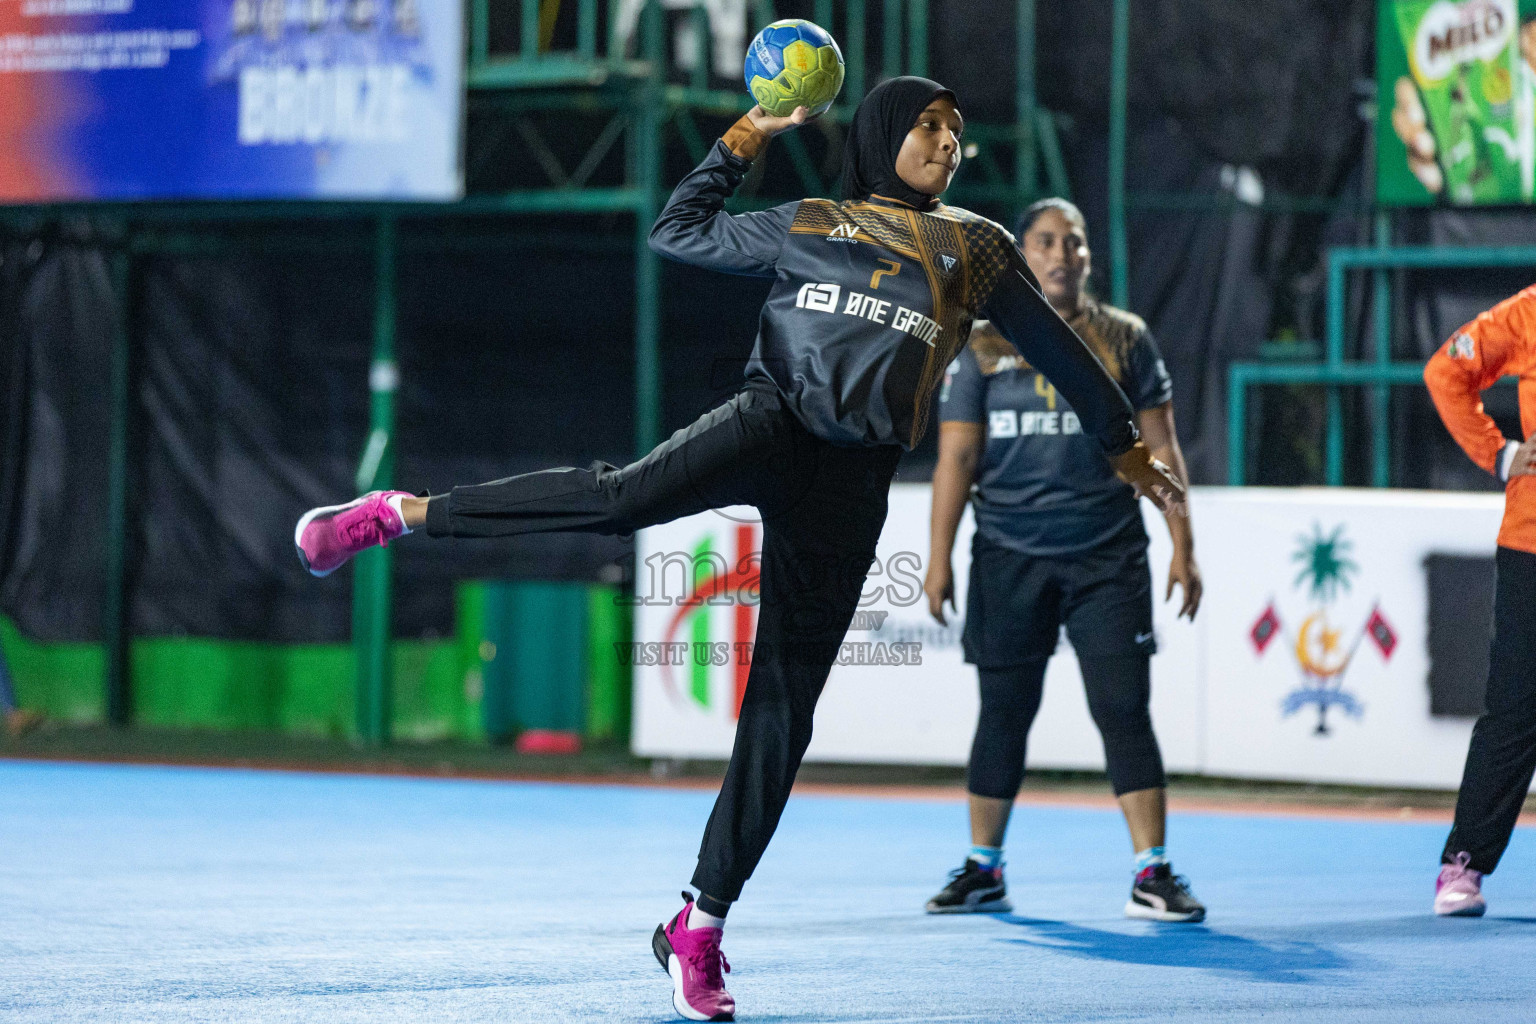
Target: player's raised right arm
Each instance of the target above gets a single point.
(694, 227)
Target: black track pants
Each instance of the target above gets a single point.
(1502, 756)
(823, 507)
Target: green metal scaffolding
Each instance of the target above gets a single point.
(1379, 373)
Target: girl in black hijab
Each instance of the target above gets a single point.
(872, 298)
(880, 127)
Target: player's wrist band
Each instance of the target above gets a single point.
(744, 139)
(1507, 459)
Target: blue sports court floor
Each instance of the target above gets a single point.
(156, 894)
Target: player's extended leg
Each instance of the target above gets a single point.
(816, 554)
(705, 465)
(1502, 756)
(722, 458)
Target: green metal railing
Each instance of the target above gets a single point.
(1119, 79)
(371, 584)
(902, 27)
(1242, 376)
(115, 612)
(1379, 374)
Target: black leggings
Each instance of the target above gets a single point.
(1501, 758)
(822, 506)
(1118, 690)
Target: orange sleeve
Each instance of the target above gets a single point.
(1497, 342)
(744, 140)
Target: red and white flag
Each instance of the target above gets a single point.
(1381, 633)
(1266, 629)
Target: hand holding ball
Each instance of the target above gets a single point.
(794, 63)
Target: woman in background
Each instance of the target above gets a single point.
(1059, 542)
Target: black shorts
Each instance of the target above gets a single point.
(1017, 603)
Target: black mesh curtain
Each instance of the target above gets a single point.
(250, 404)
(56, 324)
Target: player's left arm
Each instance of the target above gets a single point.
(1150, 390)
(1158, 431)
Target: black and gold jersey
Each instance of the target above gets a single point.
(873, 299)
(1043, 486)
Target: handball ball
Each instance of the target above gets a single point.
(794, 63)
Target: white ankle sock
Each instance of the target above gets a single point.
(393, 501)
(698, 919)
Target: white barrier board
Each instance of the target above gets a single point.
(1308, 661)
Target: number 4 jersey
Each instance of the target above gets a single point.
(1043, 487)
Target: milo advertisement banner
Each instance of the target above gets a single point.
(1457, 91)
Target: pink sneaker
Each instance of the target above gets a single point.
(692, 956)
(327, 537)
(1459, 889)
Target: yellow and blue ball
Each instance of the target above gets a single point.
(794, 63)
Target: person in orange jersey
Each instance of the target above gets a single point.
(1502, 756)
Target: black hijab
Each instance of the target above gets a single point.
(880, 126)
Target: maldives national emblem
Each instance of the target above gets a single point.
(1319, 646)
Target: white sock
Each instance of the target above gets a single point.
(393, 501)
(698, 919)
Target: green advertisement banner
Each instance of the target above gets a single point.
(1457, 102)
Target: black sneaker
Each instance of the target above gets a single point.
(1160, 895)
(972, 889)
